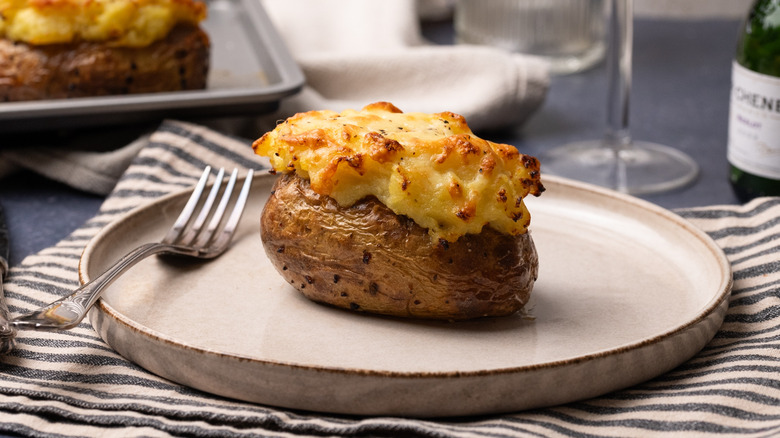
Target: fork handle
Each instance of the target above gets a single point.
(7, 331)
(69, 311)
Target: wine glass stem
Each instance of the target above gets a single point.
(616, 161)
(619, 73)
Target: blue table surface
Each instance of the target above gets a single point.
(681, 81)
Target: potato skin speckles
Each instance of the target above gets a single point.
(365, 258)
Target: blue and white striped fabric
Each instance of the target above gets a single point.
(73, 384)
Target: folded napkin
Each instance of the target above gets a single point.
(74, 384)
(352, 53)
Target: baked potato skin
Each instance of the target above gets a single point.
(367, 258)
(85, 69)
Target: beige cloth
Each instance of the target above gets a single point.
(352, 52)
(355, 52)
(90, 171)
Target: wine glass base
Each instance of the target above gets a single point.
(641, 168)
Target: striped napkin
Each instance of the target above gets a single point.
(73, 384)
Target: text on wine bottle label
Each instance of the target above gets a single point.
(754, 122)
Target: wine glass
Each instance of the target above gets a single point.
(616, 161)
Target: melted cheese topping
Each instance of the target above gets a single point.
(429, 167)
(126, 23)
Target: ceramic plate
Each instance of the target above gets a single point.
(626, 291)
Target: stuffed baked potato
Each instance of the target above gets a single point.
(84, 48)
(343, 228)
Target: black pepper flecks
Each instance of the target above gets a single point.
(366, 257)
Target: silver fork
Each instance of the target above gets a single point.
(181, 239)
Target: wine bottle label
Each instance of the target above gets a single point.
(754, 122)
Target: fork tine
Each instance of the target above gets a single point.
(216, 218)
(190, 233)
(238, 209)
(189, 208)
(221, 242)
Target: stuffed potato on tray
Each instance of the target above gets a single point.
(85, 48)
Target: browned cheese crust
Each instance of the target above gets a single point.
(367, 258)
(429, 167)
(85, 69)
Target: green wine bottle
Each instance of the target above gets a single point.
(754, 119)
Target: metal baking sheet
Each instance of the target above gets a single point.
(251, 71)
